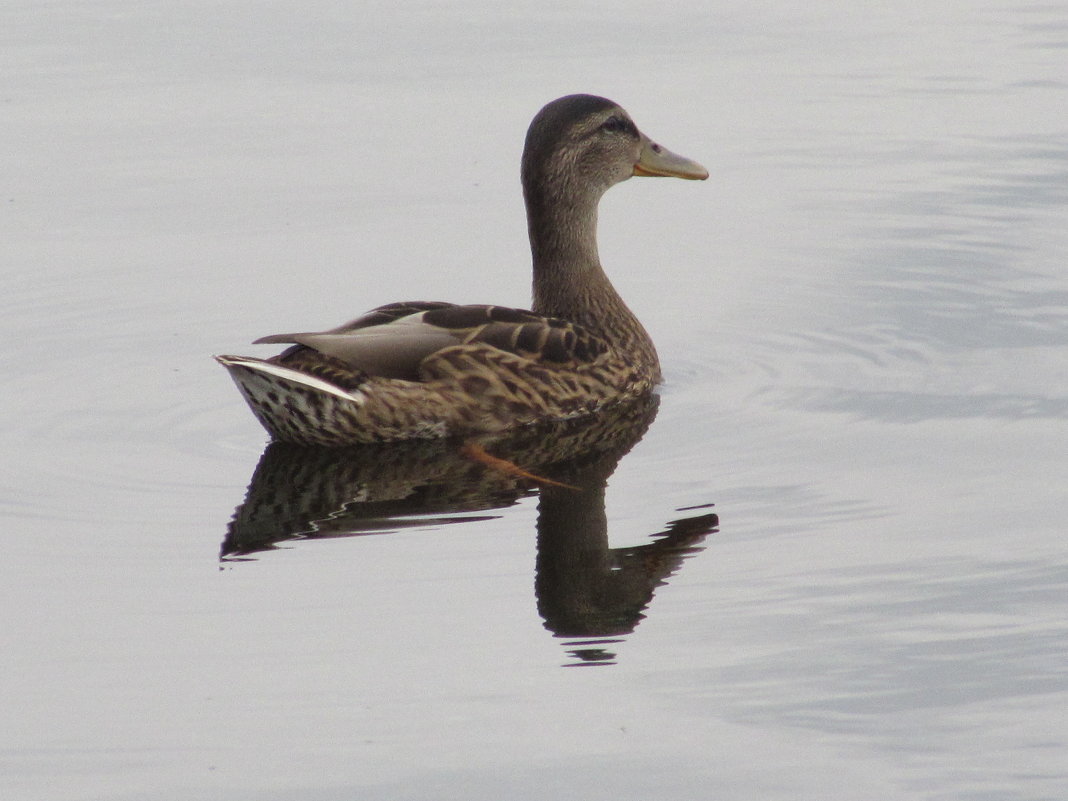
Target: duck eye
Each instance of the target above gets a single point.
(615, 125)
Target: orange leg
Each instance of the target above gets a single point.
(474, 451)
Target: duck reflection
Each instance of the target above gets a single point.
(586, 591)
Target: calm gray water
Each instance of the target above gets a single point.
(863, 317)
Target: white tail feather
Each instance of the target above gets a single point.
(289, 375)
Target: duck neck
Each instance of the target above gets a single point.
(569, 281)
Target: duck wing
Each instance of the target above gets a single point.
(393, 341)
(521, 332)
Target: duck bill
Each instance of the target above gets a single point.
(657, 161)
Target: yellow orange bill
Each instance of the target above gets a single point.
(657, 161)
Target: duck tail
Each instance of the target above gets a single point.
(293, 406)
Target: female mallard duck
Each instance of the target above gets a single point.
(430, 369)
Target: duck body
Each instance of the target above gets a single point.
(423, 370)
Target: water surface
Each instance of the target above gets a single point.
(862, 319)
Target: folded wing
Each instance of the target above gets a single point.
(393, 341)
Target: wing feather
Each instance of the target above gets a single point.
(392, 341)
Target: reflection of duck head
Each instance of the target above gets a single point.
(583, 587)
(586, 589)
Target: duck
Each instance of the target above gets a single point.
(433, 369)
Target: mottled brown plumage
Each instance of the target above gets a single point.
(432, 369)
